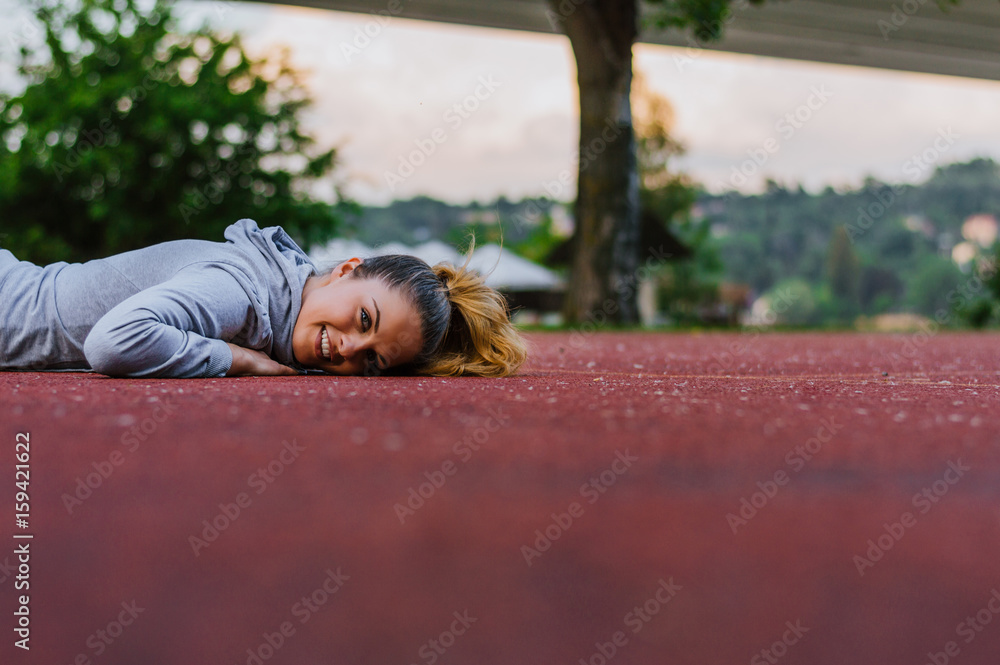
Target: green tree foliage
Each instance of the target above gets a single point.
(706, 18)
(526, 227)
(540, 240)
(663, 191)
(842, 273)
(979, 302)
(937, 279)
(878, 289)
(901, 236)
(128, 134)
(689, 286)
(800, 303)
(408, 221)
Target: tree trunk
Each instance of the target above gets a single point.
(602, 285)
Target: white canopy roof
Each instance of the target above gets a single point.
(510, 272)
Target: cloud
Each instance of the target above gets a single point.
(395, 90)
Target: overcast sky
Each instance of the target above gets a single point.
(517, 128)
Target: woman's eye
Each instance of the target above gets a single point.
(365, 320)
(373, 359)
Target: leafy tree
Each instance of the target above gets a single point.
(688, 284)
(128, 134)
(979, 303)
(527, 228)
(690, 287)
(930, 287)
(796, 302)
(879, 289)
(540, 240)
(955, 191)
(602, 33)
(665, 193)
(842, 272)
(901, 234)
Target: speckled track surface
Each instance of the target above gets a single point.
(629, 498)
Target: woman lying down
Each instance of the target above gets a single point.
(252, 305)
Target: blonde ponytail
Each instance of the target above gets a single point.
(481, 340)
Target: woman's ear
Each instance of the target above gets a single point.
(347, 266)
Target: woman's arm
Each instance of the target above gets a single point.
(250, 362)
(181, 328)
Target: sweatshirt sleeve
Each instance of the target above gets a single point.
(175, 329)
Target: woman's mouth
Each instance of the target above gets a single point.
(324, 345)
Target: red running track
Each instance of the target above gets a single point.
(629, 498)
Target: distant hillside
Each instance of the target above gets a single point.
(422, 218)
(902, 235)
(884, 247)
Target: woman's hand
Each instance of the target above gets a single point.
(249, 362)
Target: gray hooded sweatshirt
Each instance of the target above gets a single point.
(163, 311)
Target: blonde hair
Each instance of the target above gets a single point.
(464, 323)
(481, 340)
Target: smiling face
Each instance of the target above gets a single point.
(348, 324)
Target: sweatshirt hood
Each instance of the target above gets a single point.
(284, 268)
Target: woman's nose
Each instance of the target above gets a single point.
(349, 346)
